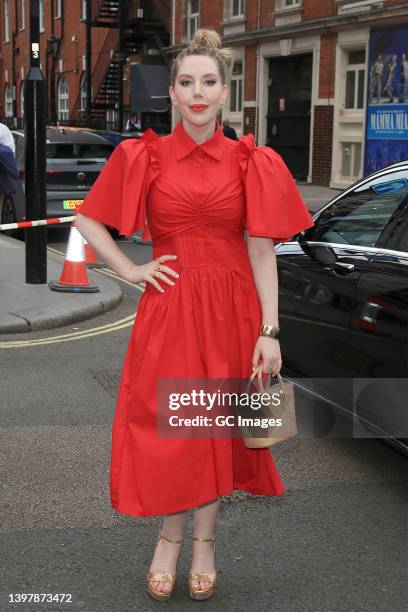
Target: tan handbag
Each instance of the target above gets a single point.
(285, 411)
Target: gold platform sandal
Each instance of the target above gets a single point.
(203, 577)
(153, 576)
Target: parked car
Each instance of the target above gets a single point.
(75, 157)
(343, 306)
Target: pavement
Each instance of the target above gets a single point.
(26, 307)
(316, 196)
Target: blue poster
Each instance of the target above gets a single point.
(387, 99)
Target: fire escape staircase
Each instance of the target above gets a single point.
(139, 28)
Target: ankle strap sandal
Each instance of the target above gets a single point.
(212, 577)
(153, 576)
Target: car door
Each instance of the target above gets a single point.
(379, 330)
(318, 278)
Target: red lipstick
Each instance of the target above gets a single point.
(197, 108)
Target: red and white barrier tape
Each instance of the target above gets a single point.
(8, 226)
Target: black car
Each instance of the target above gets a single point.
(75, 157)
(343, 306)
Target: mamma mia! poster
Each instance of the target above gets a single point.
(387, 99)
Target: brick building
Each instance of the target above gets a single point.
(64, 34)
(299, 81)
(300, 77)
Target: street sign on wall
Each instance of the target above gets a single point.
(386, 138)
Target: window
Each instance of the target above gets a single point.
(83, 9)
(359, 218)
(234, 9)
(112, 119)
(237, 8)
(22, 16)
(22, 100)
(63, 99)
(281, 5)
(236, 87)
(6, 28)
(193, 17)
(41, 4)
(57, 9)
(8, 100)
(350, 159)
(60, 152)
(355, 76)
(82, 107)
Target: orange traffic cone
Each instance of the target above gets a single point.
(91, 260)
(74, 277)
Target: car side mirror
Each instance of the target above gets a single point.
(304, 236)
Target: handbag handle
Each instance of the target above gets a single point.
(258, 372)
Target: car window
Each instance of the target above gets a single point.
(359, 218)
(63, 152)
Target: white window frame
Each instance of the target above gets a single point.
(287, 5)
(22, 20)
(8, 100)
(57, 9)
(229, 14)
(63, 98)
(356, 68)
(348, 123)
(240, 6)
(83, 10)
(352, 145)
(82, 95)
(22, 100)
(239, 88)
(192, 16)
(111, 118)
(6, 20)
(41, 15)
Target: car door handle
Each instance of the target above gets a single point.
(342, 268)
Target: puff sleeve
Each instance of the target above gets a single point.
(118, 196)
(274, 206)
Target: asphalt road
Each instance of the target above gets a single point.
(335, 542)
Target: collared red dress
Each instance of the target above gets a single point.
(194, 201)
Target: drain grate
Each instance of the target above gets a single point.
(108, 379)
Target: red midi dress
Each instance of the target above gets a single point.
(195, 201)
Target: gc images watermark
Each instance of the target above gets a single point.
(216, 408)
(330, 408)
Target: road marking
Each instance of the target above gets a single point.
(86, 333)
(77, 335)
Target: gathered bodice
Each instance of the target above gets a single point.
(172, 186)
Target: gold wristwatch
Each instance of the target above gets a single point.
(269, 330)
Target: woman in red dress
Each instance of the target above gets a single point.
(208, 290)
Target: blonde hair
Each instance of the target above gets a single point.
(206, 41)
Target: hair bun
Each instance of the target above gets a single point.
(206, 37)
(206, 41)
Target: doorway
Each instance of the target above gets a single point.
(289, 111)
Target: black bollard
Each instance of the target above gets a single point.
(35, 103)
